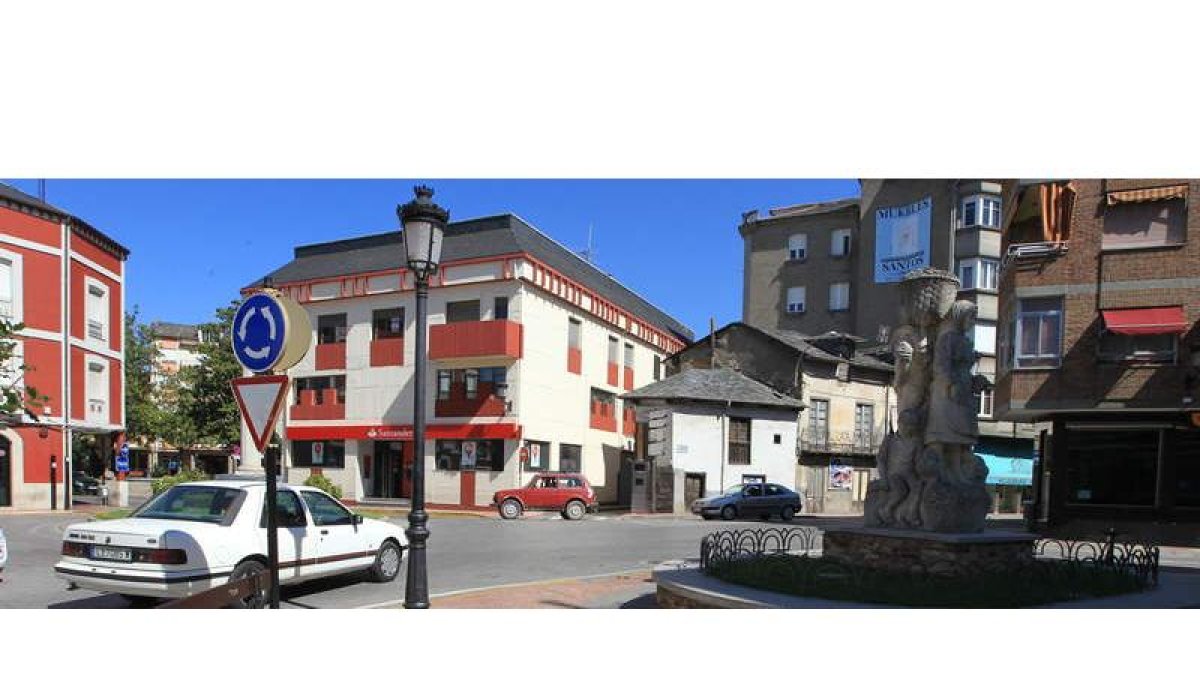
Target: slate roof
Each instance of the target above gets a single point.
(801, 343)
(482, 237)
(718, 385)
(81, 227)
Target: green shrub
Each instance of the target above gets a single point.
(323, 483)
(184, 476)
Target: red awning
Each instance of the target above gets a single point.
(402, 432)
(1145, 321)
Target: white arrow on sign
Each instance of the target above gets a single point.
(260, 400)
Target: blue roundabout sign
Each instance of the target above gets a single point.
(260, 332)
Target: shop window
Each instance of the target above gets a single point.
(538, 458)
(1116, 347)
(795, 300)
(798, 246)
(1112, 467)
(570, 457)
(331, 329)
(320, 454)
(480, 455)
(387, 323)
(457, 312)
(1187, 468)
(1144, 224)
(739, 440)
(1039, 333)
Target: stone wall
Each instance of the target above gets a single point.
(927, 553)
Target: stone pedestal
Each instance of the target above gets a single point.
(920, 552)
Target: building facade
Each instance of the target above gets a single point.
(1100, 298)
(835, 266)
(64, 281)
(529, 347)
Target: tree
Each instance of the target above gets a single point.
(144, 414)
(16, 398)
(205, 397)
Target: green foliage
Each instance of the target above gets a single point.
(184, 476)
(323, 483)
(205, 398)
(16, 397)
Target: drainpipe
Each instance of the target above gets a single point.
(65, 295)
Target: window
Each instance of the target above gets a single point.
(322, 386)
(985, 337)
(980, 210)
(288, 512)
(628, 355)
(457, 312)
(1039, 333)
(966, 275)
(612, 349)
(1137, 225)
(331, 328)
(989, 274)
(984, 399)
(97, 310)
(739, 440)
(574, 350)
(979, 274)
(1115, 347)
(864, 425)
(657, 368)
(500, 309)
(97, 390)
(11, 284)
(839, 243)
(387, 323)
(481, 455)
(991, 212)
(839, 296)
(797, 246)
(326, 511)
(471, 383)
(968, 213)
(570, 457)
(328, 454)
(497, 379)
(444, 378)
(818, 423)
(795, 300)
(1187, 467)
(538, 456)
(1115, 467)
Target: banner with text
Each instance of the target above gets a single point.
(901, 240)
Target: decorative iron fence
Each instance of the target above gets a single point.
(1137, 559)
(726, 545)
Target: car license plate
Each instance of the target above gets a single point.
(112, 553)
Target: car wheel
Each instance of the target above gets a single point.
(141, 601)
(510, 509)
(788, 512)
(575, 510)
(387, 562)
(245, 570)
(729, 512)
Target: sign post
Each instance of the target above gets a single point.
(270, 333)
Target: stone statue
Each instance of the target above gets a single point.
(929, 478)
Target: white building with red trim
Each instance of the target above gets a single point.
(529, 347)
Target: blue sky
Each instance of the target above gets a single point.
(194, 243)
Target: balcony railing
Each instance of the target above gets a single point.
(603, 417)
(485, 403)
(318, 404)
(471, 339)
(331, 356)
(574, 360)
(613, 372)
(628, 379)
(1034, 250)
(387, 352)
(847, 446)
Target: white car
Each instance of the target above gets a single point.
(3, 551)
(196, 536)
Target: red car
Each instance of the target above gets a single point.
(567, 493)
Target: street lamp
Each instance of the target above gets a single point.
(423, 223)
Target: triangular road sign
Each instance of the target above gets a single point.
(260, 399)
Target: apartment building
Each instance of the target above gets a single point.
(529, 347)
(1100, 297)
(178, 347)
(64, 280)
(835, 266)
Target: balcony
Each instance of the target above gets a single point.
(604, 417)
(331, 356)
(574, 360)
(485, 403)
(629, 421)
(318, 404)
(475, 339)
(387, 352)
(613, 370)
(628, 379)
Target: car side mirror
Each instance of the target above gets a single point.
(356, 519)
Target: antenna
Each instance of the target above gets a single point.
(42, 189)
(589, 253)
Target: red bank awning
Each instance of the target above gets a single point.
(1145, 321)
(402, 432)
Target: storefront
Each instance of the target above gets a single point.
(1010, 471)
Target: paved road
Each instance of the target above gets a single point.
(464, 554)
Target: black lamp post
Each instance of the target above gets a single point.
(423, 223)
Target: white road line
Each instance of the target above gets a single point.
(512, 585)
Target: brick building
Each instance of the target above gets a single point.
(834, 266)
(64, 280)
(529, 346)
(1100, 297)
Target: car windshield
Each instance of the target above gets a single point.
(197, 503)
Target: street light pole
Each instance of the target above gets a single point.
(423, 223)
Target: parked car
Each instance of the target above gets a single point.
(3, 551)
(84, 484)
(568, 493)
(196, 536)
(755, 499)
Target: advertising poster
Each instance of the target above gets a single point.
(535, 454)
(318, 453)
(902, 240)
(841, 476)
(468, 455)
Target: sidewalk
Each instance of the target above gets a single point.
(623, 590)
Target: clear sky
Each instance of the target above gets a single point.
(195, 243)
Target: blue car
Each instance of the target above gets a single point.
(744, 501)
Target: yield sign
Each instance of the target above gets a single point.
(260, 399)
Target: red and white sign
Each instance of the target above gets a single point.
(260, 399)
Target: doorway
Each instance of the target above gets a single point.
(693, 487)
(391, 475)
(5, 472)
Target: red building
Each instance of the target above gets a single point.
(64, 280)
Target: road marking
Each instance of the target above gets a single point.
(448, 594)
